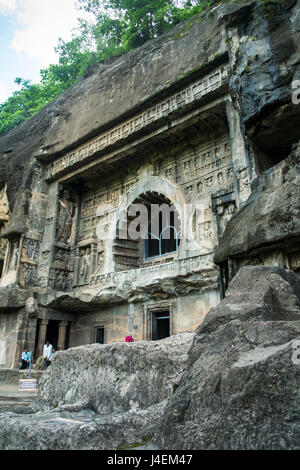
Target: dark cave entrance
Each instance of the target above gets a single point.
(52, 332)
(100, 335)
(274, 135)
(160, 325)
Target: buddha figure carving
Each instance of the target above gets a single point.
(65, 219)
(85, 264)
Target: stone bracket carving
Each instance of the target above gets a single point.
(191, 94)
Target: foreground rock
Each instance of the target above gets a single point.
(233, 385)
(241, 387)
(100, 397)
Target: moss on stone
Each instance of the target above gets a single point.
(143, 442)
(184, 30)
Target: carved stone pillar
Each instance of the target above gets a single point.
(48, 242)
(42, 336)
(76, 267)
(94, 257)
(242, 165)
(62, 335)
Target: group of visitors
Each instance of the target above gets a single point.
(48, 351)
(43, 361)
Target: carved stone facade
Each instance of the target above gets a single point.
(80, 254)
(4, 217)
(176, 137)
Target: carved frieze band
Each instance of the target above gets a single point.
(190, 94)
(172, 269)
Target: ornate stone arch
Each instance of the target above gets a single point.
(147, 184)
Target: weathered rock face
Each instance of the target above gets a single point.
(100, 397)
(202, 117)
(190, 119)
(234, 385)
(118, 377)
(240, 389)
(270, 219)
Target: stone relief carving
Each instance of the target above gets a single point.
(65, 218)
(172, 269)
(9, 275)
(4, 206)
(4, 217)
(30, 250)
(29, 262)
(224, 214)
(191, 93)
(62, 258)
(85, 265)
(12, 266)
(60, 280)
(199, 174)
(208, 168)
(244, 182)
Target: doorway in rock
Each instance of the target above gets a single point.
(52, 332)
(160, 325)
(36, 352)
(100, 335)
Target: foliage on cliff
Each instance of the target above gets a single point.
(114, 27)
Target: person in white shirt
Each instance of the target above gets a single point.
(47, 353)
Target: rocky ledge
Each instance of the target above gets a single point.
(231, 385)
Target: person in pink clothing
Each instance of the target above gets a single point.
(129, 339)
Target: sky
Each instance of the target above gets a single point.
(29, 31)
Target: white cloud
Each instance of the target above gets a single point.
(39, 24)
(7, 6)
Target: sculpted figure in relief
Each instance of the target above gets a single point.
(4, 208)
(14, 257)
(66, 212)
(85, 264)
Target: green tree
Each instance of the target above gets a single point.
(121, 25)
(22, 105)
(115, 27)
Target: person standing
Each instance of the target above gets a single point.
(26, 356)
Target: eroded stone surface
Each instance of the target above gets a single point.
(270, 220)
(193, 132)
(232, 385)
(240, 388)
(101, 397)
(203, 132)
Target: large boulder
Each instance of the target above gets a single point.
(117, 377)
(241, 386)
(99, 397)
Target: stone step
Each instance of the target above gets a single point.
(11, 396)
(12, 376)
